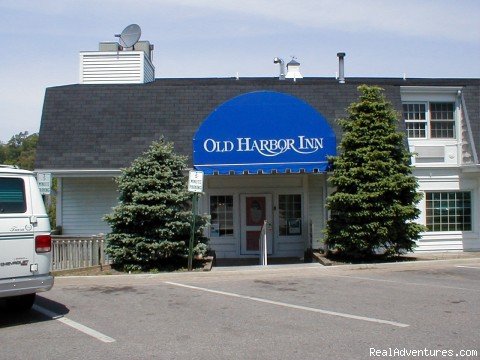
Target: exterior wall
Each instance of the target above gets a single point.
(446, 165)
(449, 180)
(316, 208)
(83, 201)
(275, 185)
(82, 204)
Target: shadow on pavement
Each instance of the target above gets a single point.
(10, 318)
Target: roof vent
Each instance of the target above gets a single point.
(341, 68)
(282, 67)
(128, 61)
(293, 70)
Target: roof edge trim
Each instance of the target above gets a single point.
(81, 172)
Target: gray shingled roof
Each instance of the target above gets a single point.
(107, 126)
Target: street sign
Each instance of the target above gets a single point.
(195, 181)
(195, 185)
(44, 181)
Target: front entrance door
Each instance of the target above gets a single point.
(255, 208)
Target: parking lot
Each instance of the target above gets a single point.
(283, 312)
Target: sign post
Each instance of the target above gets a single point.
(195, 185)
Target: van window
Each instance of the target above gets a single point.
(12, 196)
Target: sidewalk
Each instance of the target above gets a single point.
(321, 261)
(444, 255)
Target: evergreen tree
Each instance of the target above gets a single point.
(152, 223)
(373, 206)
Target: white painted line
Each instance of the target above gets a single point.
(82, 328)
(401, 282)
(468, 267)
(292, 306)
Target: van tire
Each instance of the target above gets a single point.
(21, 303)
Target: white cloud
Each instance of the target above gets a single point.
(456, 20)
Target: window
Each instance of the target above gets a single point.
(12, 196)
(434, 120)
(415, 120)
(290, 215)
(442, 122)
(448, 211)
(221, 212)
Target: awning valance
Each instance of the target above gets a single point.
(263, 132)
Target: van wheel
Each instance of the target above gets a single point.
(21, 303)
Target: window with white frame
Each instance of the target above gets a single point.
(415, 116)
(435, 120)
(221, 215)
(290, 214)
(448, 211)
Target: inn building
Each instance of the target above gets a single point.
(262, 143)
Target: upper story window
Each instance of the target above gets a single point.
(430, 120)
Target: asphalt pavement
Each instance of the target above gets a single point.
(422, 309)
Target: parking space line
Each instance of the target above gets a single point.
(402, 282)
(292, 306)
(468, 267)
(77, 326)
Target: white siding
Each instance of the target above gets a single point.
(84, 203)
(124, 67)
(148, 71)
(448, 180)
(316, 209)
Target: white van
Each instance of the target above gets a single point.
(25, 241)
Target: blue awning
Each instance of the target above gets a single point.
(263, 132)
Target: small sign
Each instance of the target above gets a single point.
(294, 227)
(195, 181)
(44, 181)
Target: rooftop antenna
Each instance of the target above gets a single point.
(129, 36)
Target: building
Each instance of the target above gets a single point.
(262, 143)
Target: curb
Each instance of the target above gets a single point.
(216, 271)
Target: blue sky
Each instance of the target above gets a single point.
(205, 38)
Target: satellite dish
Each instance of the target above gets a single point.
(130, 35)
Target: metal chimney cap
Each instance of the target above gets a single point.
(341, 54)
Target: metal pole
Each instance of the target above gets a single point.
(192, 235)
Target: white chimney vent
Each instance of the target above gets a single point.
(341, 67)
(128, 61)
(279, 61)
(293, 70)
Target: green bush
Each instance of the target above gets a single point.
(151, 226)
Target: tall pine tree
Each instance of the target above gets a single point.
(152, 223)
(373, 206)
